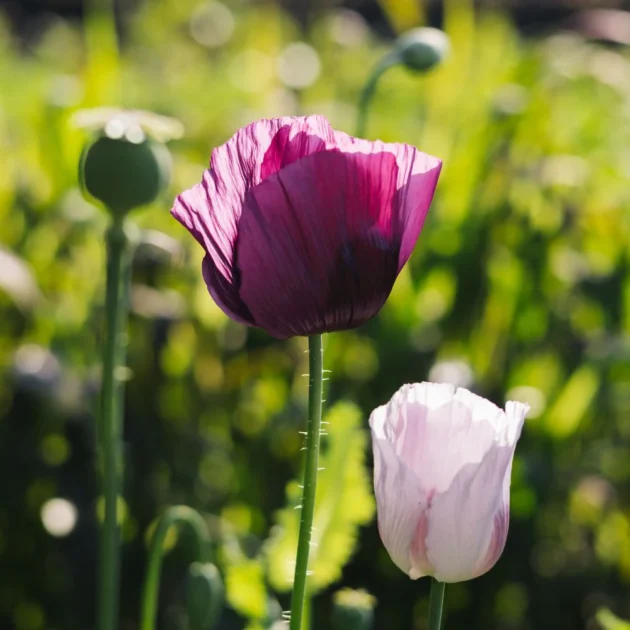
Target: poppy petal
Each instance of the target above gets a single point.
(316, 251)
(417, 179)
(400, 500)
(211, 210)
(294, 142)
(462, 527)
(225, 293)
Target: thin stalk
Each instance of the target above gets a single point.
(315, 362)
(436, 603)
(179, 515)
(365, 99)
(110, 420)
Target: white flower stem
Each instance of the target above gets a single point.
(436, 603)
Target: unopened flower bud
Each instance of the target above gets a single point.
(125, 173)
(420, 49)
(353, 610)
(205, 595)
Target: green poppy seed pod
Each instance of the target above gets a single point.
(125, 172)
(353, 610)
(205, 595)
(422, 48)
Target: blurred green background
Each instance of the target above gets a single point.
(519, 289)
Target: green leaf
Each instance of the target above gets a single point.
(344, 502)
(245, 588)
(608, 621)
(573, 402)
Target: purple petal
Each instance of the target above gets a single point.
(414, 199)
(417, 179)
(211, 211)
(256, 151)
(225, 293)
(215, 227)
(316, 248)
(294, 142)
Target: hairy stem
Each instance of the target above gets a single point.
(316, 383)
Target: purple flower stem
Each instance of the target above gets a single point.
(315, 360)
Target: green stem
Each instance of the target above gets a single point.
(436, 603)
(173, 516)
(110, 421)
(307, 614)
(369, 89)
(315, 362)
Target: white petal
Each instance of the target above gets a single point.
(432, 395)
(481, 409)
(462, 521)
(515, 413)
(399, 499)
(506, 424)
(378, 419)
(434, 433)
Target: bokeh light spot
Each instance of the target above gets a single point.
(458, 373)
(55, 449)
(59, 517)
(212, 24)
(299, 65)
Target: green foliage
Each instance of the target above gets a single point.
(344, 502)
(519, 287)
(246, 590)
(608, 621)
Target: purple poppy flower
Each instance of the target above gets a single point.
(306, 228)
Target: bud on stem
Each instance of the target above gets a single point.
(125, 173)
(353, 610)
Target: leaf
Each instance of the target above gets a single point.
(608, 621)
(573, 402)
(344, 502)
(245, 588)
